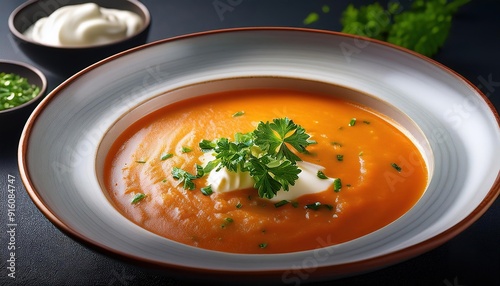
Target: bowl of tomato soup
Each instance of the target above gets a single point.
(262, 154)
(380, 167)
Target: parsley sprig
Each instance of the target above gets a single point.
(423, 27)
(266, 153)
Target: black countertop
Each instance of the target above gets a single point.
(46, 256)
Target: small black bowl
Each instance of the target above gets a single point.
(14, 118)
(68, 60)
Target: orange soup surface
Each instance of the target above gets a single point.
(382, 172)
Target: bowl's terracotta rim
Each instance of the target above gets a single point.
(38, 73)
(23, 38)
(321, 272)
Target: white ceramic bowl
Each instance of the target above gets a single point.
(62, 146)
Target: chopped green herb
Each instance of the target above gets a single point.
(424, 27)
(352, 122)
(395, 166)
(317, 205)
(311, 18)
(361, 153)
(265, 153)
(239, 205)
(206, 145)
(226, 222)
(239, 113)
(262, 245)
(186, 149)
(15, 90)
(281, 203)
(184, 176)
(207, 191)
(166, 156)
(337, 185)
(200, 171)
(137, 198)
(336, 144)
(321, 175)
(340, 158)
(295, 204)
(140, 161)
(366, 122)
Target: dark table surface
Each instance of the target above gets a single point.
(46, 256)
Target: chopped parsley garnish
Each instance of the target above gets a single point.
(137, 198)
(352, 122)
(340, 158)
(166, 156)
(422, 26)
(239, 113)
(186, 149)
(226, 222)
(185, 177)
(395, 166)
(266, 153)
(207, 191)
(281, 203)
(239, 205)
(262, 245)
(317, 205)
(140, 161)
(321, 175)
(337, 185)
(15, 90)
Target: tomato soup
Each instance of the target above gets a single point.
(382, 171)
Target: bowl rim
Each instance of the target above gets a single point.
(19, 35)
(343, 269)
(34, 70)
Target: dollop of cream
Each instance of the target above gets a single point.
(223, 181)
(84, 25)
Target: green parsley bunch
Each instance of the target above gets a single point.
(423, 28)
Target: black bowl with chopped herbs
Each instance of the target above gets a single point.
(21, 89)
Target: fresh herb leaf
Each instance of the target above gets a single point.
(186, 149)
(239, 205)
(275, 137)
(239, 113)
(15, 90)
(281, 203)
(206, 145)
(317, 205)
(207, 191)
(166, 156)
(262, 245)
(184, 177)
(137, 198)
(321, 175)
(340, 157)
(226, 222)
(424, 27)
(271, 175)
(337, 185)
(200, 171)
(395, 166)
(266, 153)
